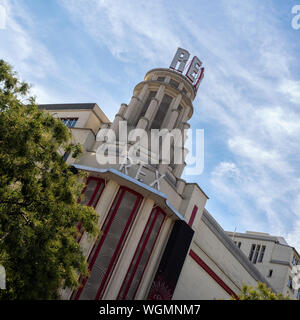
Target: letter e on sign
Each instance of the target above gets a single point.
(194, 69)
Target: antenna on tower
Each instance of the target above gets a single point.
(233, 234)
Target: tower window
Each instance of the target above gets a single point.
(174, 83)
(161, 79)
(161, 112)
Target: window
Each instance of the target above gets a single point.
(90, 197)
(107, 249)
(290, 283)
(69, 122)
(161, 112)
(294, 261)
(92, 191)
(142, 255)
(251, 252)
(256, 253)
(66, 155)
(174, 83)
(270, 273)
(238, 244)
(161, 79)
(262, 253)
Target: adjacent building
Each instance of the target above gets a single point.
(272, 256)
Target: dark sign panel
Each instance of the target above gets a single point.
(171, 262)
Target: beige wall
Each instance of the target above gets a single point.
(195, 283)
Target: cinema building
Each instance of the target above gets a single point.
(158, 241)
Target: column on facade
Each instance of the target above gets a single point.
(171, 122)
(119, 117)
(178, 168)
(151, 111)
(174, 113)
(180, 184)
(135, 103)
(181, 85)
(167, 80)
(185, 114)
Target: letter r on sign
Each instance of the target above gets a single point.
(181, 57)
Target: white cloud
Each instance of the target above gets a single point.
(258, 155)
(226, 169)
(279, 121)
(28, 55)
(129, 30)
(292, 89)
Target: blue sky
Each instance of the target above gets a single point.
(248, 103)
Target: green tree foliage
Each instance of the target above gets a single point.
(261, 292)
(38, 198)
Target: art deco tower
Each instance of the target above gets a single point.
(163, 101)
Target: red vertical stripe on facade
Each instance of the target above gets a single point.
(193, 215)
(212, 274)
